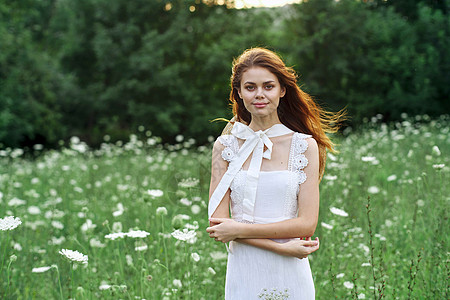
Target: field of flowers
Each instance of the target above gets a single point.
(127, 221)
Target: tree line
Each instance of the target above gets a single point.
(94, 67)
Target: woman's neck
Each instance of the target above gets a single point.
(263, 123)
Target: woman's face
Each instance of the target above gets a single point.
(261, 92)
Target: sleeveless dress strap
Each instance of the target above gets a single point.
(254, 142)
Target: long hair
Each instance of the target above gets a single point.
(296, 110)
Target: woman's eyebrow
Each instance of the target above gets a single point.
(266, 82)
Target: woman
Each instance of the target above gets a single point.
(268, 171)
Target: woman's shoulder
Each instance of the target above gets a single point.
(227, 145)
(301, 135)
(226, 139)
(301, 142)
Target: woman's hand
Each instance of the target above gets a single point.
(224, 230)
(299, 248)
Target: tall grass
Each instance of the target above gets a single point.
(396, 248)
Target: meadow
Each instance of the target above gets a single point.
(136, 212)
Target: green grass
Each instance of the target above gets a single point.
(402, 254)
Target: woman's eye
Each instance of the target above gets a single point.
(250, 88)
(269, 86)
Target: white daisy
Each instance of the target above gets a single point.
(373, 190)
(348, 284)
(338, 212)
(436, 151)
(193, 226)
(392, 178)
(34, 210)
(330, 177)
(129, 259)
(88, 225)
(57, 225)
(177, 283)
(382, 238)
(218, 255)
(95, 243)
(185, 201)
(137, 233)
(117, 227)
(155, 193)
(161, 211)
(17, 247)
(179, 138)
(185, 235)
(368, 158)
(104, 286)
(141, 248)
(57, 241)
(115, 235)
(195, 209)
(189, 182)
(119, 211)
(74, 256)
(327, 226)
(40, 269)
(16, 202)
(195, 256)
(9, 223)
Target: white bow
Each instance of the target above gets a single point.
(254, 142)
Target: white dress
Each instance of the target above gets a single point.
(254, 273)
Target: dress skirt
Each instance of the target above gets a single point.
(254, 273)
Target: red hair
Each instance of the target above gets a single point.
(297, 110)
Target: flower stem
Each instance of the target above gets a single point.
(4, 251)
(119, 259)
(372, 260)
(71, 280)
(59, 281)
(7, 276)
(165, 247)
(187, 264)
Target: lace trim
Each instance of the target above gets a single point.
(231, 147)
(237, 189)
(297, 162)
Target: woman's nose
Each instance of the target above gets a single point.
(259, 93)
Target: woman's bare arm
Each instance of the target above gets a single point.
(302, 226)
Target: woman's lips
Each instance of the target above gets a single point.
(260, 105)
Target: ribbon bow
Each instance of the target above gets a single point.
(254, 142)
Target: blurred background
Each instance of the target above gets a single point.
(91, 68)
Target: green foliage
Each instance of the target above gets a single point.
(73, 198)
(96, 67)
(372, 62)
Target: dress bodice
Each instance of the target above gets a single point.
(276, 194)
